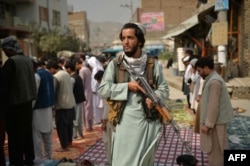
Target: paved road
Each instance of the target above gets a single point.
(175, 83)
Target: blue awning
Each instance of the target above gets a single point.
(111, 50)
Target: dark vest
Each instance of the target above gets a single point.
(46, 92)
(78, 89)
(23, 86)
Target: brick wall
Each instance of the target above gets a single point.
(245, 40)
(77, 22)
(175, 11)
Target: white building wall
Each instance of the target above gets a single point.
(31, 11)
(62, 7)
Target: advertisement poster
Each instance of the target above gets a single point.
(153, 21)
(221, 5)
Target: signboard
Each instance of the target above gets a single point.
(220, 33)
(221, 5)
(153, 21)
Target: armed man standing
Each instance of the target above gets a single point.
(137, 124)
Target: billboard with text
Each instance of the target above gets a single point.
(153, 21)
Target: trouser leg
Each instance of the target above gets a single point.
(70, 132)
(62, 134)
(20, 137)
(47, 140)
(37, 139)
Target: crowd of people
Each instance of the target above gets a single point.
(81, 91)
(37, 94)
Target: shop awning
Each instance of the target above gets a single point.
(189, 23)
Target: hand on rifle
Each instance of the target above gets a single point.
(133, 86)
(149, 103)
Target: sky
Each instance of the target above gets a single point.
(105, 10)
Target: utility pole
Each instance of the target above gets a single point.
(130, 6)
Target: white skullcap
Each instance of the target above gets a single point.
(142, 28)
(193, 61)
(185, 59)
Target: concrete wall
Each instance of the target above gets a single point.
(77, 22)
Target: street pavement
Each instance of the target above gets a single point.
(175, 84)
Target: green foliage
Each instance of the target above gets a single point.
(49, 42)
(72, 44)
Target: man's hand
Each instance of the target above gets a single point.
(149, 103)
(205, 129)
(198, 99)
(133, 86)
(104, 125)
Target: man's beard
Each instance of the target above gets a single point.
(204, 76)
(132, 52)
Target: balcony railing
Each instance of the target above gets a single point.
(20, 22)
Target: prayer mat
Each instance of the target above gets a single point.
(239, 133)
(79, 146)
(166, 153)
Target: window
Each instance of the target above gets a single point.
(56, 18)
(43, 14)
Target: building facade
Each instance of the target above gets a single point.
(198, 33)
(78, 23)
(17, 16)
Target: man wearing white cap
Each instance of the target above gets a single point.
(186, 77)
(135, 138)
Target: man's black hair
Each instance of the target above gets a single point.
(76, 60)
(205, 61)
(83, 56)
(41, 63)
(70, 65)
(99, 75)
(189, 52)
(186, 160)
(52, 64)
(60, 61)
(138, 32)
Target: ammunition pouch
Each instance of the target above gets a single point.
(115, 111)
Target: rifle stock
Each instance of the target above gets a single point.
(166, 117)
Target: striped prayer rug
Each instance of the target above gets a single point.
(166, 152)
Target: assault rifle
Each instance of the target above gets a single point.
(158, 105)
